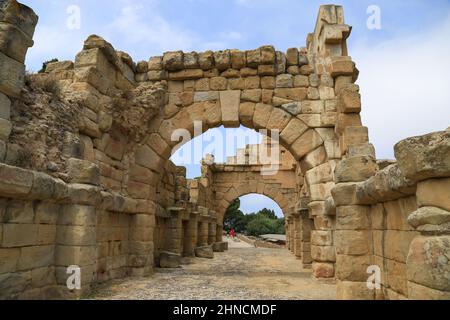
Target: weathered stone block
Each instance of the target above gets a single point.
(430, 216)
(314, 158)
(306, 143)
(82, 171)
(36, 257)
(9, 258)
(294, 94)
(355, 169)
(169, 260)
(200, 96)
(204, 252)
(19, 212)
(155, 63)
(323, 270)
(238, 59)
(147, 157)
(345, 120)
(278, 120)
(253, 58)
(342, 66)
(323, 253)
(364, 149)
(5, 107)
(398, 244)
(157, 75)
(352, 290)
(352, 268)
(187, 74)
(46, 234)
(397, 213)
(353, 135)
(173, 61)
(352, 217)
(434, 192)
(261, 115)
(75, 255)
(292, 55)
(206, 60)
(77, 215)
(424, 157)
(5, 129)
(15, 181)
(428, 263)
(267, 70)
(220, 246)
(317, 208)
(353, 242)
(222, 60)
(46, 213)
(322, 238)
(349, 101)
(12, 76)
(320, 174)
(284, 81)
(76, 235)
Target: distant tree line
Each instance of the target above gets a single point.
(264, 221)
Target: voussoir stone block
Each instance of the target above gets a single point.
(307, 142)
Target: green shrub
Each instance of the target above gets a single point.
(44, 65)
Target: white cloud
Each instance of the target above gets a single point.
(139, 24)
(405, 86)
(52, 42)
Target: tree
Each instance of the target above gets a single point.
(268, 213)
(235, 218)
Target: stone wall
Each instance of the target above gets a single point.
(397, 220)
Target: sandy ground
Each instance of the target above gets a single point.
(241, 273)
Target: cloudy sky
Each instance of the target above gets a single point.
(404, 66)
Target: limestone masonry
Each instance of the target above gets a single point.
(86, 180)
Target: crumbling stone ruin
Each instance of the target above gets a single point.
(86, 180)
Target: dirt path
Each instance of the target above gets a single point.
(239, 274)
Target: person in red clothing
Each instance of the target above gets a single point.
(232, 233)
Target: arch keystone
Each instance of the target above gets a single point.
(229, 104)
